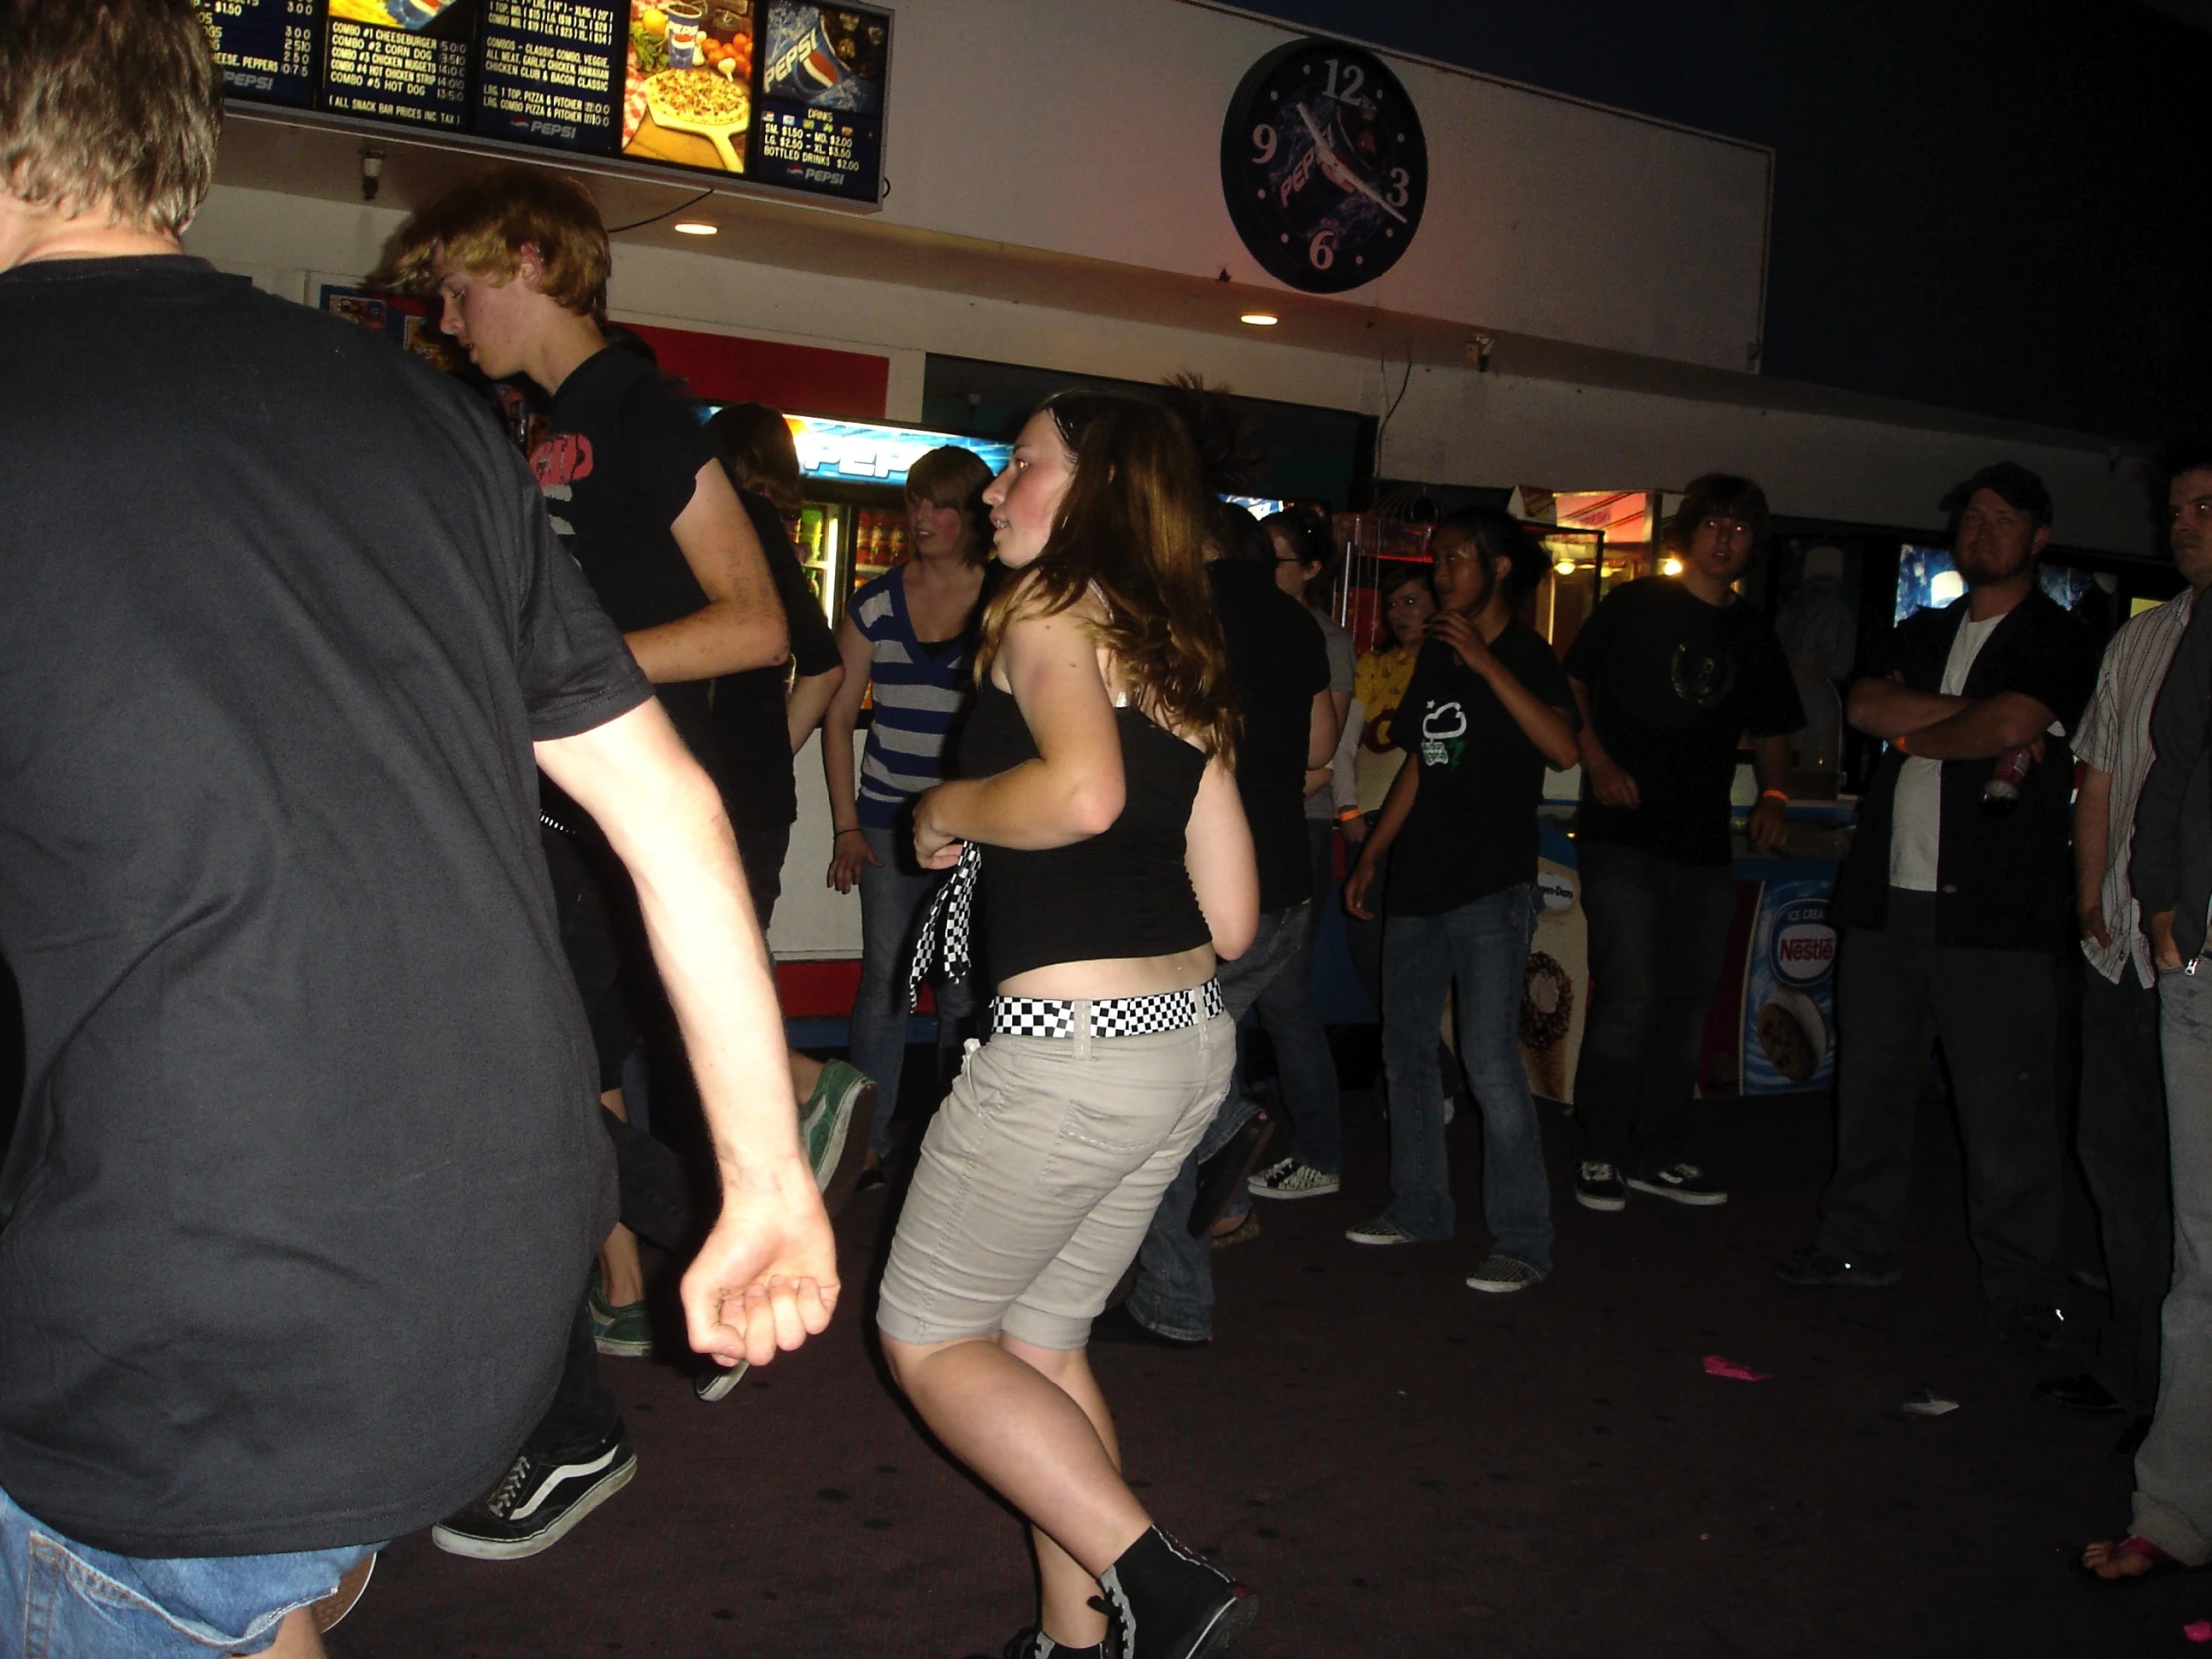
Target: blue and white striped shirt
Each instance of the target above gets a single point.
(917, 696)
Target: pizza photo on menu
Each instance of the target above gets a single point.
(687, 90)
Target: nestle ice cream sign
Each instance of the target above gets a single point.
(1803, 945)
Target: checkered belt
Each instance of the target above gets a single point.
(1120, 1016)
(947, 925)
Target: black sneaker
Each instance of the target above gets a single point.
(1033, 1643)
(1684, 1183)
(1599, 1186)
(537, 1501)
(1167, 1603)
(1818, 1268)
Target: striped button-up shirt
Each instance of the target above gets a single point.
(2115, 737)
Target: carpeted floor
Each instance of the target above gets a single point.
(1402, 1467)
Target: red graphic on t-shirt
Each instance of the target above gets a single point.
(562, 459)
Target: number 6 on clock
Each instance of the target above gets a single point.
(1321, 252)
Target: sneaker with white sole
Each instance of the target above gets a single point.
(715, 1381)
(537, 1501)
(1599, 1186)
(834, 1125)
(1287, 1178)
(1379, 1231)
(1164, 1602)
(1503, 1274)
(1684, 1183)
(624, 1328)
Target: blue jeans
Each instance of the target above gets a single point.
(1482, 947)
(70, 1601)
(1305, 1069)
(1174, 1292)
(892, 900)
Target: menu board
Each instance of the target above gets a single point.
(548, 72)
(822, 98)
(784, 91)
(401, 59)
(265, 48)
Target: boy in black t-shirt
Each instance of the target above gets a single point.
(635, 487)
(308, 1178)
(1488, 708)
(1669, 672)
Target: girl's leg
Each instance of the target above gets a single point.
(1068, 1615)
(1043, 1442)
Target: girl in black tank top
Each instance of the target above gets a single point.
(1098, 826)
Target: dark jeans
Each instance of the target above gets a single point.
(1174, 1291)
(1363, 944)
(1658, 931)
(1896, 991)
(2123, 1147)
(655, 1205)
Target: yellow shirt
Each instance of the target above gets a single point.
(1379, 682)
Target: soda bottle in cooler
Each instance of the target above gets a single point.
(2002, 791)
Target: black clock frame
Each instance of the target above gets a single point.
(1283, 244)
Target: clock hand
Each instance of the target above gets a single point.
(1338, 172)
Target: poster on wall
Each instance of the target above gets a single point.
(1788, 990)
(820, 123)
(399, 60)
(688, 83)
(265, 48)
(547, 74)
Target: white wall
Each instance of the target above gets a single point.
(1455, 426)
(1093, 126)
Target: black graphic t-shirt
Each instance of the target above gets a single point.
(1472, 830)
(617, 470)
(1278, 661)
(1674, 683)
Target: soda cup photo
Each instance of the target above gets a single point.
(684, 20)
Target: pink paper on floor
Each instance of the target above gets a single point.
(1719, 1365)
(2201, 1631)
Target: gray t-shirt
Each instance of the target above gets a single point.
(1322, 804)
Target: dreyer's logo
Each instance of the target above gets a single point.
(1804, 943)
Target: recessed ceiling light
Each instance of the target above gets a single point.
(696, 227)
(1258, 319)
(1565, 566)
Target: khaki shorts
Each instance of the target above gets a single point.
(1039, 1177)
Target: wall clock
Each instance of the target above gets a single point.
(1324, 166)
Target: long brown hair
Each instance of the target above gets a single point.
(1132, 530)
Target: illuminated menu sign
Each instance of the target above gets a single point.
(401, 60)
(858, 452)
(265, 48)
(784, 91)
(822, 99)
(548, 72)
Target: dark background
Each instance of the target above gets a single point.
(1996, 206)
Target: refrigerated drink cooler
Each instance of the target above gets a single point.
(850, 526)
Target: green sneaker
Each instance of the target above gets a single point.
(625, 1331)
(834, 1125)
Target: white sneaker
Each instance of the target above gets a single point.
(1291, 1179)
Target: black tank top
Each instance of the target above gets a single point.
(1117, 895)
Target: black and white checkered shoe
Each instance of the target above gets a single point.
(1120, 1016)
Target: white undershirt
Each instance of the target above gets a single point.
(1917, 810)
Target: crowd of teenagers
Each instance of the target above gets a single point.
(379, 822)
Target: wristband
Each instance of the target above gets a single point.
(1344, 814)
(1782, 796)
(857, 829)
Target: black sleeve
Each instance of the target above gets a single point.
(664, 444)
(2059, 669)
(1898, 648)
(1771, 702)
(1309, 664)
(575, 670)
(2180, 723)
(813, 647)
(1586, 656)
(1537, 667)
